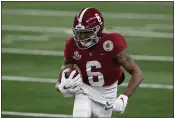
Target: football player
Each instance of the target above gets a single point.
(99, 57)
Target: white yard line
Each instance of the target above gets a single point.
(73, 13)
(32, 52)
(152, 58)
(128, 31)
(159, 26)
(23, 28)
(43, 115)
(51, 80)
(60, 53)
(9, 38)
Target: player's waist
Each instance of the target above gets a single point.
(101, 94)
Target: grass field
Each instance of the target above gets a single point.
(44, 26)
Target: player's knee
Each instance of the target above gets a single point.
(82, 107)
(106, 114)
(80, 112)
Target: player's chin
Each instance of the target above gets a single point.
(121, 80)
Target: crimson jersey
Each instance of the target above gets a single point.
(96, 63)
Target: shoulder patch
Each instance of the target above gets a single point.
(108, 45)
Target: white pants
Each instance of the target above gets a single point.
(88, 108)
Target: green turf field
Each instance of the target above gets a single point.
(148, 28)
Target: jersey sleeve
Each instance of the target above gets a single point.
(119, 43)
(67, 50)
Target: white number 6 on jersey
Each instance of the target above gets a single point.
(90, 74)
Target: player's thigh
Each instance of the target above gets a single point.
(82, 106)
(100, 110)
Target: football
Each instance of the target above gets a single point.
(67, 74)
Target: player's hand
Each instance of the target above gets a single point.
(120, 103)
(69, 85)
(71, 81)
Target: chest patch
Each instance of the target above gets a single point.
(77, 55)
(108, 45)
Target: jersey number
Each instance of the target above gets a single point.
(90, 74)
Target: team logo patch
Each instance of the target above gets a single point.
(77, 56)
(108, 45)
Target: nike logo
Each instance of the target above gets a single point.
(108, 106)
(65, 87)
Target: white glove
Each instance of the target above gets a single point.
(120, 103)
(65, 93)
(70, 85)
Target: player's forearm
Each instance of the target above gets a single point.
(136, 79)
(60, 72)
(63, 68)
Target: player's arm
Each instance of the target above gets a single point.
(66, 64)
(132, 68)
(68, 61)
